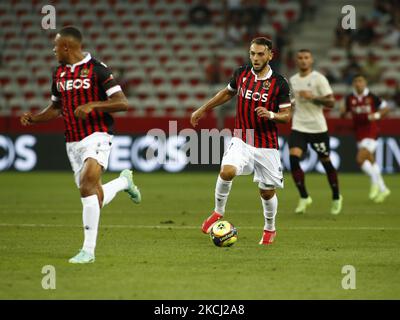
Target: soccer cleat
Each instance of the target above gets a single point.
(133, 191)
(82, 257)
(303, 204)
(337, 205)
(382, 196)
(373, 191)
(268, 237)
(207, 224)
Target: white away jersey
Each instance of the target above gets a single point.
(309, 117)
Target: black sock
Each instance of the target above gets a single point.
(332, 178)
(298, 176)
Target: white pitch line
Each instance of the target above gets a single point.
(168, 226)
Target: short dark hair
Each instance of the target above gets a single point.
(359, 75)
(71, 31)
(304, 50)
(262, 41)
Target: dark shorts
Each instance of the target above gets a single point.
(318, 141)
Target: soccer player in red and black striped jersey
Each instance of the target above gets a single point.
(366, 109)
(84, 93)
(263, 99)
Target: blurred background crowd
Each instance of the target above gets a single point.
(171, 55)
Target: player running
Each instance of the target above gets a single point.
(312, 93)
(262, 101)
(84, 93)
(366, 109)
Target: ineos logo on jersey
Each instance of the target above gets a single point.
(73, 84)
(256, 96)
(363, 109)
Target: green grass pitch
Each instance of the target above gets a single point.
(155, 250)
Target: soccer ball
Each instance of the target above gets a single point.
(223, 234)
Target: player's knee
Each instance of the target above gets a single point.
(267, 194)
(296, 152)
(228, 173)
(360, 159)
(88, 186)
(324, 159)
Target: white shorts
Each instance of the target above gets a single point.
(266, 163)
(369, 144)
(96, 146)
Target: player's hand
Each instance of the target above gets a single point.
(263, 113)
(26, 119)
(306, 95)
(196, 116)
(374, 116)
(83, 110)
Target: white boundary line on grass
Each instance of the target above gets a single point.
(172, 226)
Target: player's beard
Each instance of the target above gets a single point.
(257, 70)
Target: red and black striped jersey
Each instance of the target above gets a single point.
(361, 106)
(78, 84)
(271, 92)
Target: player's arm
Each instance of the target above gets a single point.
(327, 101)
(283, 116)
(284, 104)
(325, 98)
(116, 99)
(383, 110)
(116, 102)
(219, 99)
(52, 111)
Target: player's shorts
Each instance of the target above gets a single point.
(369, 144)
(318, 141)
(96, 146)
(266, 163)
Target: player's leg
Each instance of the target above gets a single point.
(268, 173)
(269, 202)
(378, 192)
(91, 198)
(123, 183)
(222, 190)
(232, 165)
(365, 160)
(297, 146)
(320, 143)
(331, 173)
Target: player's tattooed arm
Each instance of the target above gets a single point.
(116, 102)
(283, 116)
(327, 101)
(220, 98)
(52, 111)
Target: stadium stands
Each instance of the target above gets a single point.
(156, 53)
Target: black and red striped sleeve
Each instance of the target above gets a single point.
(284, 100)
(55, 95)
(232, 85)
(378, 103)
(106, 81)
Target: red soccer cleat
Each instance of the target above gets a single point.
(207, 224)
(268, 237)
